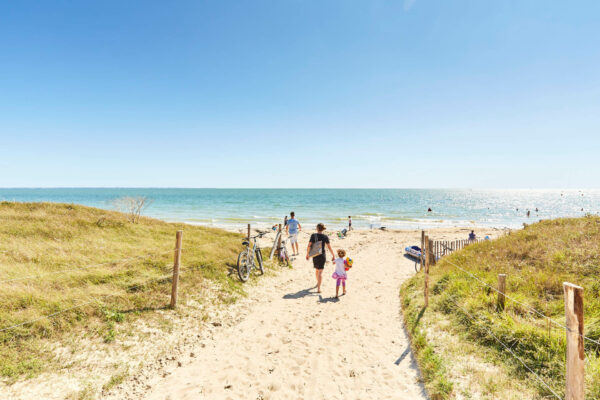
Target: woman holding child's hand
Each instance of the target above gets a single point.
(319, 260)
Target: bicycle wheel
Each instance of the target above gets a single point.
(259, 261)
(243, 267)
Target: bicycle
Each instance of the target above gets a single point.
(248, 258)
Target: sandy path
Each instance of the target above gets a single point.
(297, 344)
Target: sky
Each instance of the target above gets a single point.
(286, 93)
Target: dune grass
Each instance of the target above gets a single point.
(537, 260)
(54, 257)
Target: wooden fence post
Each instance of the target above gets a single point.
(248, 232)
(176, 263)
(575, 350)
(501, 291)
(427, 260)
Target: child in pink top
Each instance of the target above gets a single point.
(340, 274)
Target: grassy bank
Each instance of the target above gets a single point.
(111, 272)
(460, 324)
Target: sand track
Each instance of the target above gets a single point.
(297, 344)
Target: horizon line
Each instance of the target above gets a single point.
(295, 188)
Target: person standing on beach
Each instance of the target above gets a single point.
(320, 259)
(292, 228)
(349, 222)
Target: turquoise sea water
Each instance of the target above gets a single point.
(392, 208)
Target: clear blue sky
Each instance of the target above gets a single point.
(423, 93)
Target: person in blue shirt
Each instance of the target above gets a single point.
(292, 228)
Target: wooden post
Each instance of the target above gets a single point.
(427, 260)
(248, 232)
(279, 240)
(176, 263)
(501, 290)
(575, 350)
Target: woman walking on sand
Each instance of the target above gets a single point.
(316, 250)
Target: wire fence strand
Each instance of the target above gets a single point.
(48, 316)
(510, 351)
(88, 267)
(531, 309)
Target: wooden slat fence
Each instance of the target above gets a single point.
(445, 247)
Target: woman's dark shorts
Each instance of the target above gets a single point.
(319, 261)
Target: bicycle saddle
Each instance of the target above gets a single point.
(245, 243)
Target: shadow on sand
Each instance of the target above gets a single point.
(302, 293)
(403, 356)
(412, 258)
(328, 299)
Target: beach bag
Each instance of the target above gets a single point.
(316, 249)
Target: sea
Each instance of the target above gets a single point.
(369, 208)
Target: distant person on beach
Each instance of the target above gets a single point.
(339, 274)
(292, 227)
(528, 213)
(472, 235)
(429, 209)
(319, 259)
(285, 221)
(349, 222)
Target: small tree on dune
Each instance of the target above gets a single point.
(132, 206)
